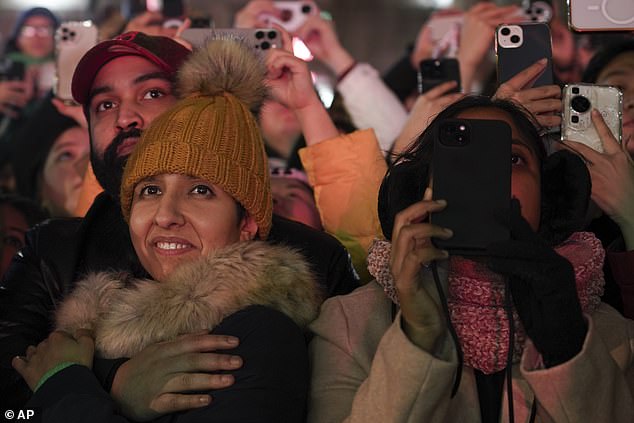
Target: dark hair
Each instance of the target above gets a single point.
(603, 57)
(32, 212)
(408, 176)
(32, 143)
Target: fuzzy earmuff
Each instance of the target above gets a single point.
(566, 187)
(402, 186)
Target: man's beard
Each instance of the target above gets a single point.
(109, 169)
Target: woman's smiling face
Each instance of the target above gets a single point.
(178, 218)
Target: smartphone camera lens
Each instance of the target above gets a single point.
(461, 135)
(265, 45)
(580, 104)
(272, 35)
(306, 9)
(454, 134)
(575, 90)
(259, 35)
(515, 38)
(505, 31)
(574, 119)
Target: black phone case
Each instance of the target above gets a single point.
(433, 72)
(475, 179)
(536, 45)
(11, 70)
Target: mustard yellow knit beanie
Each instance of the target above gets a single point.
(212, 133)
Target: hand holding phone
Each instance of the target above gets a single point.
(579, 100)
(519, 46)
(293, 14)
(433, 72)
(543, 102)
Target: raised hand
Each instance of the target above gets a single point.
(422, 317)
(477, 36)
(320, 37)
(14, 95)
(612, 174)
(543, 102)
(250, 15)
(426, 107)
(60, 347)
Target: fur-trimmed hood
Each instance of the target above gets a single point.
(128, 314)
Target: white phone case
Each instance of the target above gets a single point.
(294, 14)
(261, 39)
(72, 40)
(576, 125)
(601, 15)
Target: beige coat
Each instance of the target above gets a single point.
(364, 369)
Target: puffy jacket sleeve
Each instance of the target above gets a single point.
(271, 386)
(28, 294)
(371, 104)
(346, 173)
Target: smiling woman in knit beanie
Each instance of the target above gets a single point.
(196, 194)
(212, 132)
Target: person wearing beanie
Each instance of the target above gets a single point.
(124, 84)
(517, 334)
(196, 194)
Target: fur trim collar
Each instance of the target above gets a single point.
(127, 314)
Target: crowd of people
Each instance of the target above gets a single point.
(200, 238)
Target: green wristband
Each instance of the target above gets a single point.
(61, 366)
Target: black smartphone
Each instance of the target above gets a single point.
(173, 8)
(200, 21)
(471, 170)
(433, 72)
(11, 70)
(518, 46)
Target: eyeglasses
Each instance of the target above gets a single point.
(40, 31)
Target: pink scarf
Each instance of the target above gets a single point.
(476, 298)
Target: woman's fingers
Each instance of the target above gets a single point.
(610, 144)
(522, 80)
(415, 213)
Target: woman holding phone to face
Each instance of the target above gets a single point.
(197, 197)
(386, 351)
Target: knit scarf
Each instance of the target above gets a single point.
(475, 298)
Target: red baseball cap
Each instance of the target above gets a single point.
(162, 51)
